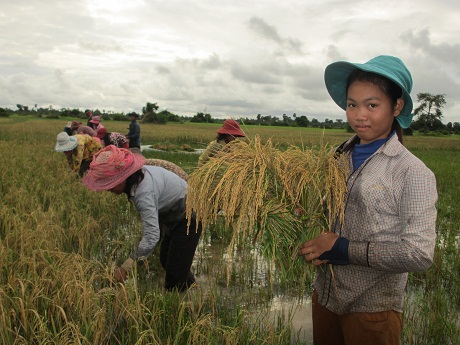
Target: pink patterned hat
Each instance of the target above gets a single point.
(95, 119)
(110, 167)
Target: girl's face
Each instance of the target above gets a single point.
(370, 111)
(119, 188)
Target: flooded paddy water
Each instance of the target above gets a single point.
(251, 283)
(298, 312)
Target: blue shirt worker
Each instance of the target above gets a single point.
(134, 134)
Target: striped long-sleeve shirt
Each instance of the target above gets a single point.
(390, 221)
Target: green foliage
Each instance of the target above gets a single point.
(76, 113)
(151, 115)
(429, 112)
(302, 121)
(202, 117)
(408, 132)
(120, 117)
(168, 116)
(3, 113)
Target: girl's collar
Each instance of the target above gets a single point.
(348, 145)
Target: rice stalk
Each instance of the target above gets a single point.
(273, 198)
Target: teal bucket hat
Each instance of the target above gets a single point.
(336, 78)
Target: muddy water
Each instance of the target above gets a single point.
(300, 315)
(294, 310)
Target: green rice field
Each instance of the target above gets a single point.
(59, 243)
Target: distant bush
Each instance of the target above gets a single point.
(120, 117)
(3, 113)
(408, 132)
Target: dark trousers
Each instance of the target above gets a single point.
(355, 328)
(176, 254)
(84, 167)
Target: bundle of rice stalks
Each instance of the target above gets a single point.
(276, 199)
(168, 166)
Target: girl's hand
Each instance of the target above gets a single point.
(312, 249)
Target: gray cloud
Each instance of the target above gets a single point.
(233, 58)
(254, 74)
(265, 30)
(436, 63)
(262, 28)
(421, 41)
(333, 53)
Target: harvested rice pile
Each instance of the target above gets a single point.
(168, 166)
(276, 199)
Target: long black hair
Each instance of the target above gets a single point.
(133, 180)
(106, 139)
(387, 86)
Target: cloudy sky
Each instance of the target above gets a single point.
(228, 58)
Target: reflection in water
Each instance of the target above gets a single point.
(298, 312)
(249, 284)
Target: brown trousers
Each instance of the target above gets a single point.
(354, 328)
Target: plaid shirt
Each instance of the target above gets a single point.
(211, 150)
(390, 221)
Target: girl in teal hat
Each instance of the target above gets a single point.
(390, 216)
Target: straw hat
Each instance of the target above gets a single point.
(95, 119)
(65, 142)
(336, 77)
(231, 127)
(110, 167)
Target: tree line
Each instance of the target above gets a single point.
(427, 116)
